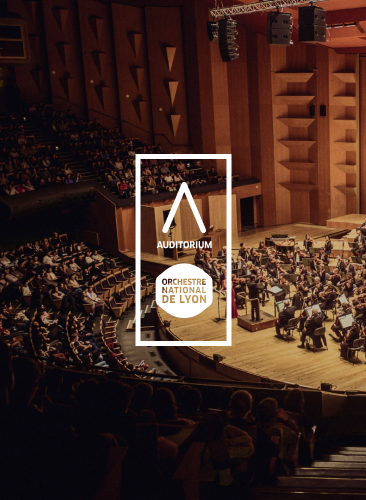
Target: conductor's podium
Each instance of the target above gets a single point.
(267, 321)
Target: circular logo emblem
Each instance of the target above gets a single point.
(184, 290)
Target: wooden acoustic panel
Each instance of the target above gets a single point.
(217, 210)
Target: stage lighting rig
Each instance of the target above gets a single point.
(249, 8)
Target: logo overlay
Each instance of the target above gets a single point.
(184, 290)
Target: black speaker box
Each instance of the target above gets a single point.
(278, 20)
(312, 110)
(323, 110)
(312, 33)
(279, 37)
(312, 15)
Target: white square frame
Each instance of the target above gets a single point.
(188, 343)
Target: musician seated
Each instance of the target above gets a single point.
(348, 287)
(287, 313)
(311, 324)
(263, 280)
(292, 269)
(360, 310)
(302, 285)
(316, 289)
(288, 258)
(360, 240)
(222, 254)
(336, 327)
(328, 247)
(323, 257)
(352, 335)
(350, 268)
(251, 269)
(340, 265)
(308, 242)
(299, 254)
(322, 274)
(240, 262)
(243, 251)
(328, 301)
(335, 278)
(302, 270)
(312, 266)
(262, 246)
(199, 257)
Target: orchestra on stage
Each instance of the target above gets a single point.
(299, 276)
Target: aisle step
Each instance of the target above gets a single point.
(329, 472)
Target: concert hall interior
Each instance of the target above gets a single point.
(257, 106)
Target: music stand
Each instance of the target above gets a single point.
(309, 310)
(343, 300)
(346, 321)
(280, 306)
(277, 292)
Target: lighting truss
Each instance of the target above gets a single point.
(249, 8)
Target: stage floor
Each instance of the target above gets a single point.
(262, 353)
(350, 221)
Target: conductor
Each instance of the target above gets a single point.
(254, 290)
(287, 313)
(315, 321)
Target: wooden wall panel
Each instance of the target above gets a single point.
(149, 240)
(217, 208)
(65, 55)
(190, 229)
(159, 224)
(99, 62)
(101, 218)
(164, 33)
(198, 73)
(136, 120)
(362, 103)
(220, 107)
(237, 75)
(33, 77)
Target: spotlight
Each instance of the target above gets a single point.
(213, 31)
(228, 47)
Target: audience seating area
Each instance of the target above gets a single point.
(51, 296)
(50, 148)
(188, 440)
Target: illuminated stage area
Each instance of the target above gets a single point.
(262, 353)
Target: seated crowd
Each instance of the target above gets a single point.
(111, 157)
(26, 165)
(70, 277)
(93, 437)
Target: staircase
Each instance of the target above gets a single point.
(340, 475)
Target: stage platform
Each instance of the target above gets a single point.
(350, 221)
(263, 354)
